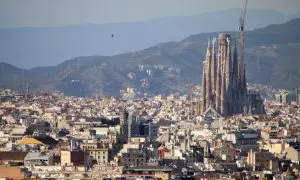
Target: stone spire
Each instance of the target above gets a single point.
(228, 62)
(224, 79)
(235, 85)
(203, 89)
(228, 75)
(244, 87)
(222, 61)
(235, 68)
(241, 72)
(244, 79)
(213, 70)
(218, 85)
(208, 76)
(223, 90)
(220, 74)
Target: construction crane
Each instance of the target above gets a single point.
(242, 35)
(243, 16)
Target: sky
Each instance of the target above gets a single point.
(32, 13)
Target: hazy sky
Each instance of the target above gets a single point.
(16, 13)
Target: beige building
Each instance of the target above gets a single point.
(7, 172)
(65, 157)
(276, 148)
(73, 158)
(61, 122)
(163, 176)
(98, 151)
(292, 154)
(48, 116)
(133, 157)
(262, 160)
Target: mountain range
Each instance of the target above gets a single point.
(48, 46)
(271, 56)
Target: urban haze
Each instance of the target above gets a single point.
(140, 89)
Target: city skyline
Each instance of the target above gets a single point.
(125, 106)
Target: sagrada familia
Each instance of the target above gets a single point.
(224, 88)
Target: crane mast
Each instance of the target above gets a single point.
(242, 40)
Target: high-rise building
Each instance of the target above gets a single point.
(128, 123)
(224, 88)
(133, 125)
(284, 97)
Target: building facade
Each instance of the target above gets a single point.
(264, 160)
(98, 151)
(224, 86)
(133, 157)
(133, 125)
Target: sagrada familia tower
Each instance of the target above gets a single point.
(224, 87)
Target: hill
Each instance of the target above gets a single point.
(10, 76)
(272, 57)
(48, 46)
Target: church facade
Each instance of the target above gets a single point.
(224, 87)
